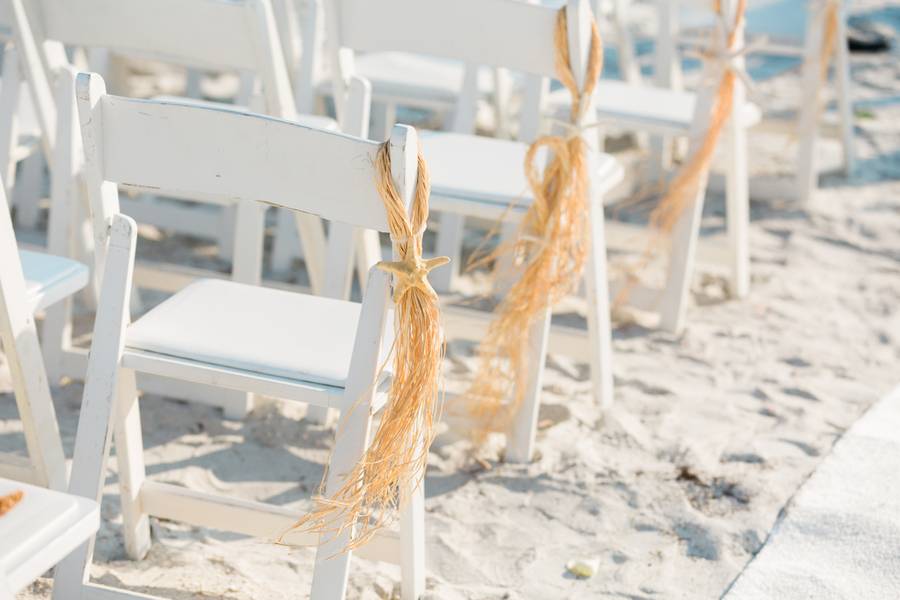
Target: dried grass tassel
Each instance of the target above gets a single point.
(829, 37)
(682, 192)
(372, 493)
(551, 250)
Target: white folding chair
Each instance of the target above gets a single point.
(665, 114)
(40, 530)
(240, 36)
(398, 79)
(789, 28)
(428, 83)
(481, 177)
(452, 226)
(287, 345)
(32, 282)
(237, 35)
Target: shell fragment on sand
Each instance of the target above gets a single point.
(583, 568)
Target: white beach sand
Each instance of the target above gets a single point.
(673, 490)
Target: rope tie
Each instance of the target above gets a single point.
(550, 249)
(395, 461)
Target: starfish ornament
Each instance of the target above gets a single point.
(412, 272)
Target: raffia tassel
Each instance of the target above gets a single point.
(552, 244)
(829, 37)
(372, 493)
(682, 192)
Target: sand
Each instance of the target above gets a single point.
(672, 491)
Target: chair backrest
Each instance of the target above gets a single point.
(178, 148)
(236, 35)
(501, 33)
(214, 34)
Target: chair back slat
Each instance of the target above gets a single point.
(202, 33)
(509, 34)
(226, 155)
(500, 33)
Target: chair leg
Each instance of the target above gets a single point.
(629, 66)
(412, 545)
(845, 99)
(9, 100)
(596, 283)
(506, 273)
(225, 243)
(808, 126)
(56, 331)
(63, 222)
(659, 159)
(98, 406)
(674, 301)
(27, 191)
(56, 337)
(368, 252)
(19, 340)
(246, 268)
(737, 200)
(332, 565)
(248, 243)
(286, 244)
(130, 458)
(449, 243)
(312, 239)
(522, 433)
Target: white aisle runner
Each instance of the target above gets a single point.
(840, 535)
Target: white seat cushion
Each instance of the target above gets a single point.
(255, 329)
(647, 108)
(40, 530)
(488, 170)
(401, 76)
(49, 278)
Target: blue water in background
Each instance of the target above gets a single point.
(779, 20)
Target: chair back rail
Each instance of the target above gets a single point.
(508, 34)
(238, 35)
(231, 155)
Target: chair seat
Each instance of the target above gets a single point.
(259, 330)
(488, 171)
(49, 278)
(400, 77)
(43, 528)
(647, 108)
